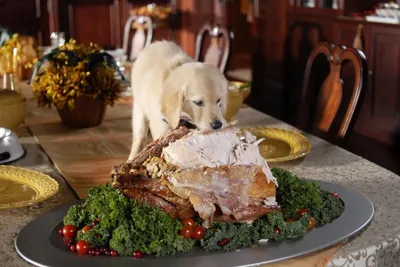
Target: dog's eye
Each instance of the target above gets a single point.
(199, 103)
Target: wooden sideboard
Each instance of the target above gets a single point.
(285, 36)
(26, 17)
(381, 105)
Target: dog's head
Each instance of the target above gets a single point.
(201, 90)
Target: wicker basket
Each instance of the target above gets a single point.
(87, 113)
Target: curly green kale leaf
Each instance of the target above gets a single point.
(331, 208)
(96, 237)
(293, 193)
(244, 235)
(151, 231)
(76, 215)
(240, 235)
(109, 205)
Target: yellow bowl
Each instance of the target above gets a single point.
(12, 109)
(238, 92)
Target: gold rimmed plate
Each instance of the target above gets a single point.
(281, 145)
(22, 187)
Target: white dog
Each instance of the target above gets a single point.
(167, 83)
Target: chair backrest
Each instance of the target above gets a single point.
(331, 93)
(140, 39)
(214, 54)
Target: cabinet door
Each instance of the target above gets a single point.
(95, 21)
(383, 102)
(23, 16)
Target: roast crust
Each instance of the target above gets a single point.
(130, 179)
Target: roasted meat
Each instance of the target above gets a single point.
(231, 188)
(217, 175)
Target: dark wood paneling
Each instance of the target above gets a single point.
(346, 33)
(95, 21)
(193, 15)
(25, 17)
(384, 100)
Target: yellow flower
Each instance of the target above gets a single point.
(61, 83)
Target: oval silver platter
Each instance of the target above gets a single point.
(40, 244)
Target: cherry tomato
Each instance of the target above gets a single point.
(188, 222)
(186, 232)
(334, 195)
(114, 253)
(302, 212)
(198, 233)
(96, 222)
(290, 220)
(311, 224)
(137, 254)
(82, 247)
(69, 231)
(86, 229)
(277, 230)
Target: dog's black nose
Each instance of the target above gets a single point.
(217, 124)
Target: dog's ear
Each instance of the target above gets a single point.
(172, 102)
(225, 96)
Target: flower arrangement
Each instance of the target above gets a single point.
(22, 48)
(10, 51)
(75, 70)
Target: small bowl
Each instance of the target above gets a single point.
(12, 109)
(238, 93)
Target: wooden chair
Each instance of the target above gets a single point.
(140, 39)
(214, 54)
(331, 93)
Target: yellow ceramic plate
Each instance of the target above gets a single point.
(22, 187)
(281, 145)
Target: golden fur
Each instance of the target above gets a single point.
(167, 83)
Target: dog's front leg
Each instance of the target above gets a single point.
(140, 129)
(158, 128)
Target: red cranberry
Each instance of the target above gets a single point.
(103, 250)
(98, 236)
(72, 248)
(137, 254)
(107, 252)
(277, 230)
(114, 253)
(97, 252)
(223, 242)
(60, 231)
(68, 242)
(91, 253)
(334, 195)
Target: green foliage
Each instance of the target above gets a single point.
(127, 225)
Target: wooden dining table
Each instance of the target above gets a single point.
(82, 158)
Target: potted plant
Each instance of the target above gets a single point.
(79, 80)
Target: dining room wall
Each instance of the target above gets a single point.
(373, 133)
